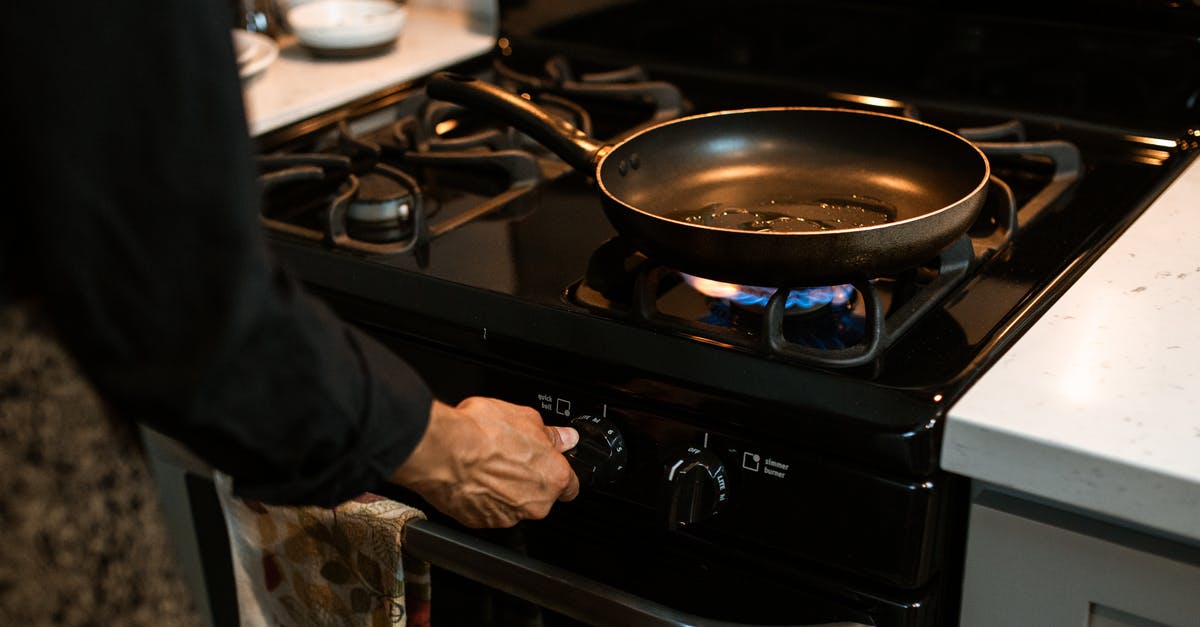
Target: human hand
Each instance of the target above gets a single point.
(489, 463)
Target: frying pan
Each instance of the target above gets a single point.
(773, 197)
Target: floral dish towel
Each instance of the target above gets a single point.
(312, 566)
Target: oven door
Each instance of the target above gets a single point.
(550, 595)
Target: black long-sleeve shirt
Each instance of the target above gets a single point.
(132, 217)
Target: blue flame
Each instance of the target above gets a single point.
(750, 296)
(797, 300)
(803, 299)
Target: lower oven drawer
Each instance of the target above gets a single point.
(491, 584)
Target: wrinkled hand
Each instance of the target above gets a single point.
(489, 463)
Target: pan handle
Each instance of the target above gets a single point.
(573, 145)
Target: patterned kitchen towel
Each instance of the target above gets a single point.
(312, 566)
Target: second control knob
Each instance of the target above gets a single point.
(696, 488)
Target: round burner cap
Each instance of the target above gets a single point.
(380, 199)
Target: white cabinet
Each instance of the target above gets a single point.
(1030, 565)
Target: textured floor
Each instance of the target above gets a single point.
(83, 542)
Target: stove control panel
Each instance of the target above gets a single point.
(600, 457)
(652, 457)
(667, 466)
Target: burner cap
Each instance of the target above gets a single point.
(380, 199)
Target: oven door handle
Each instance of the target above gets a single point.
(544, 585)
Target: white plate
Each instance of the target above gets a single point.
(254, 52)
(347, 24)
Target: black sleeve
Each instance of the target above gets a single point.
(135, 218)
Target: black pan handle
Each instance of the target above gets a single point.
(544, 585)
(573, 145)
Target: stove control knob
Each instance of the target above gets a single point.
(697, 487)
(600, 457)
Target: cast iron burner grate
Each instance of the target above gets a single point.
(376, 188)
(621, 87)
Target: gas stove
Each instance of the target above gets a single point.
(786, 439)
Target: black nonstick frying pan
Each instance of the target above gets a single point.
(776, 197)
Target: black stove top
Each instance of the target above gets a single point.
(513, 228)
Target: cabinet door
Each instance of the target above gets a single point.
(1027, 572)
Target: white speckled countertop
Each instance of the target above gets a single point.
(1098, 405)
(298, 85)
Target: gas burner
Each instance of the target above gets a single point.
(382, 210)
(837, 326)
(330, 198)
(366, 180)
(822, 318)
(476, 178)
(752, 298)
(822, 328)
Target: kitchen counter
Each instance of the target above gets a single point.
(1097, 406)
(298, 85)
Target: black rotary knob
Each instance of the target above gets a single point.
(697, 487)
(600, 457)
